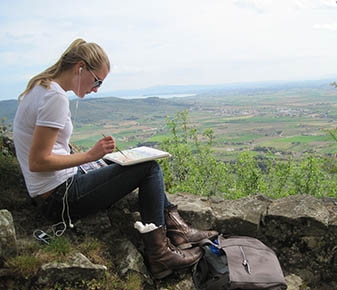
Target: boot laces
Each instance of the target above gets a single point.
(174, 249)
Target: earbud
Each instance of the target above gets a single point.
(80, 69)
(71, 225)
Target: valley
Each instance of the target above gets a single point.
(280, 121)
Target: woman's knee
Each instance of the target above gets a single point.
(155, 167)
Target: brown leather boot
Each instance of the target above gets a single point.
(180, 234)
(163, 258)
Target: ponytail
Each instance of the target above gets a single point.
(79, 50)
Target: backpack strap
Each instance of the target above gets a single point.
(202, 280)
(200, 273)
(205, 242)
(203, 274)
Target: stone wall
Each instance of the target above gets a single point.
(301, 229)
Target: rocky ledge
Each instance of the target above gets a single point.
(301, 229)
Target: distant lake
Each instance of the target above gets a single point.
(165, 96)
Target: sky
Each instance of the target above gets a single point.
(172, 42)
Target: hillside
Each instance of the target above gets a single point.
(274, 117)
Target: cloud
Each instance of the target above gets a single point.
(172, 41)
(259, 6)
(271, 6)
(314, 4)
(326, 26)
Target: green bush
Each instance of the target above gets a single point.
(193, 168)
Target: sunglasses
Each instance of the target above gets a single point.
(97, 82)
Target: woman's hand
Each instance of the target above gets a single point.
(103, 146)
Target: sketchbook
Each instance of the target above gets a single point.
(136, 155)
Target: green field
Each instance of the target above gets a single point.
(285, 121)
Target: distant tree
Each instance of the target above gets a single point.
(334, 84)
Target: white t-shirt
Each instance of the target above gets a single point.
(43, 107)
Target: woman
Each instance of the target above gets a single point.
(42, 130)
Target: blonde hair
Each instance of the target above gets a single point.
(79, 50)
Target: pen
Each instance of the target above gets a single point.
(120, 151)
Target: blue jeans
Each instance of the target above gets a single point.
(99, 189)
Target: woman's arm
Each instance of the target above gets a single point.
(41, 157)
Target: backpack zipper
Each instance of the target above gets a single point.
(245, 261)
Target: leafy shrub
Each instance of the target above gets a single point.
(194, 169)
(249, 178)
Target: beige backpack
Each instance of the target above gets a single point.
(238, 262)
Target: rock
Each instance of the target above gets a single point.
(194, 209)
(294, 282)
(241, 216)
(77, 268)
(7, 235)
(305, 212)
(301, 230)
